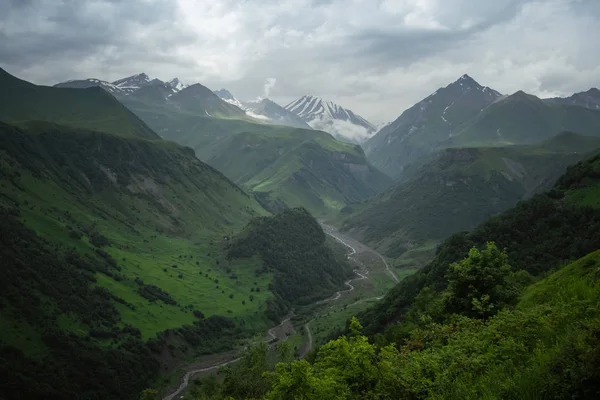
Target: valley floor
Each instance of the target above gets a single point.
(315, 324)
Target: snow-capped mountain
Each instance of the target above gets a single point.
(330, 117)
(176, 84)
(133, 82)
(267, 110)
(128, 85)
(91, 82)
(264, 110)
(423, 127)
(225, 95)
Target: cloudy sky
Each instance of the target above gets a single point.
(376, 57)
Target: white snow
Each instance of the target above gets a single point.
(332, 118)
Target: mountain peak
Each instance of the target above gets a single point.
(466, 80)
(224, 94)
(176, 84)
(133, 81)
(331, 117)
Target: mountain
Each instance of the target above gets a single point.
(428, 125)
(330, 117)
(201, 100)
(286, 167)
(91, 82)
(522, 118)
(125, 86)
(228, 97)
(112, 249)
(265, 110)
(540, 234)
(133, 82)
(176, 84)
(589, 99)
(91, 108)
(273, 113)
(455, 189)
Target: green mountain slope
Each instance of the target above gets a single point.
(524, 119)
(544, 346)
(284, 166)
(144, 220)
(91, 108)
(458, 188)
(540, 234)
(299, 168)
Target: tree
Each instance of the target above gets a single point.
(479, 285)
(149, 394)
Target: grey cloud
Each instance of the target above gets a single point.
(376, 57)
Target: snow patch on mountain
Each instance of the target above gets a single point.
(225, 95)
(332, 118)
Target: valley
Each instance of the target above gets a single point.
(192, 244)
(325, 320)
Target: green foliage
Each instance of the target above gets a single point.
(292, 245)
(251, 383)
(539, 234)
(149, 394)
(546, 347)
(478, 285)
(96, 357)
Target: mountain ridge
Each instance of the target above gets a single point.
(330, 117)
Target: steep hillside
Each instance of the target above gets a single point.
(292, 246)
(427, 125)
(143, 222)
(91, 108)
(540, 234)
(458, 188)
(544, 346)
(299, 168)
(524, 119)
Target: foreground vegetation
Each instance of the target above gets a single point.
(486, 336)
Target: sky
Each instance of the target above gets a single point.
(376, 57)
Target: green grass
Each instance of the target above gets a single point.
(182, 220)
(416, 257)
(589, 196)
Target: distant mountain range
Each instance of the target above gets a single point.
(330, 117)
(126, 85)
(465, 113)
(589, 99)
(264, 110)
